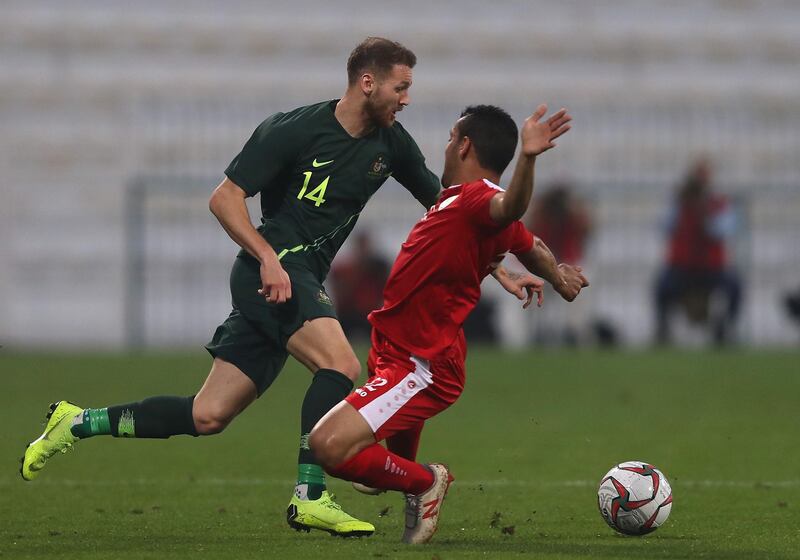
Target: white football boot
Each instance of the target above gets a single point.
(422, 510)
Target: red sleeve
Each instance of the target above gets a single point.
(520, 239)
(475, 199)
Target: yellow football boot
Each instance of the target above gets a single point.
(56, 437)
(326, 515)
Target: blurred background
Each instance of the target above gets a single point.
(678, 189)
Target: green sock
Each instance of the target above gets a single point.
(327, 388)
(314, 479)
(92, 422)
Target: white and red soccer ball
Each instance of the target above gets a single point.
(634, 498)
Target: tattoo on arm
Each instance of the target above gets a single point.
(514, 275)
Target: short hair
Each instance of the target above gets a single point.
(492, 132)
(377, 55)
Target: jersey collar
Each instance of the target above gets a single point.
(496, 187)
(488, 183)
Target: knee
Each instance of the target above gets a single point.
(325, 448)
(347, 364)
(350, 366)
(209, 420)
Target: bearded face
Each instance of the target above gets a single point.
(388, 96)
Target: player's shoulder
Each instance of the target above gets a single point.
(299, 118)
(486, 184)
(482, 187)
(472, 188)
(399, 138)
(475, 198)
(321, 110)
(469, 197)
(397, 129)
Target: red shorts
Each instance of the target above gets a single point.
(405, 390)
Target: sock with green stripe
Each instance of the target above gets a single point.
(156, 417)
(91, 422)
(326, 390)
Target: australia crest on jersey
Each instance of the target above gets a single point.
(379, 168)
(322, 297)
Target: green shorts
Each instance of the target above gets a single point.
(254, 336)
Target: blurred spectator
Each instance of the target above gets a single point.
(562, 220)
(697, 273)
(357, 281)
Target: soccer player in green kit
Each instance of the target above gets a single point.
(315, 168)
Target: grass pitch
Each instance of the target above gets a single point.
(527, 442)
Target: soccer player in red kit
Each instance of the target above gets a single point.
(419, 348)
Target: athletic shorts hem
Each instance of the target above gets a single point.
(229, 356)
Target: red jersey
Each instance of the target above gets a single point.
(691, 245)
(436, 280)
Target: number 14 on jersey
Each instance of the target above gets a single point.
(317, 195)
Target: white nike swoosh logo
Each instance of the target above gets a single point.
(316, 163)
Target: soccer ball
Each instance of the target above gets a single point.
(634, 498)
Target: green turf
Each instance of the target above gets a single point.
(527, 443)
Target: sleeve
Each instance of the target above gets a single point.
(475, 201)
(269, 150)
(411, 172)
(520, 239)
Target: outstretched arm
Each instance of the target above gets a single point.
(566, 279)
(537, 137)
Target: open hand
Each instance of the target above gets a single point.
(538, 136)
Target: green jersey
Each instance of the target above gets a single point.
(314, 179)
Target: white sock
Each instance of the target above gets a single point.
(301, 491)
